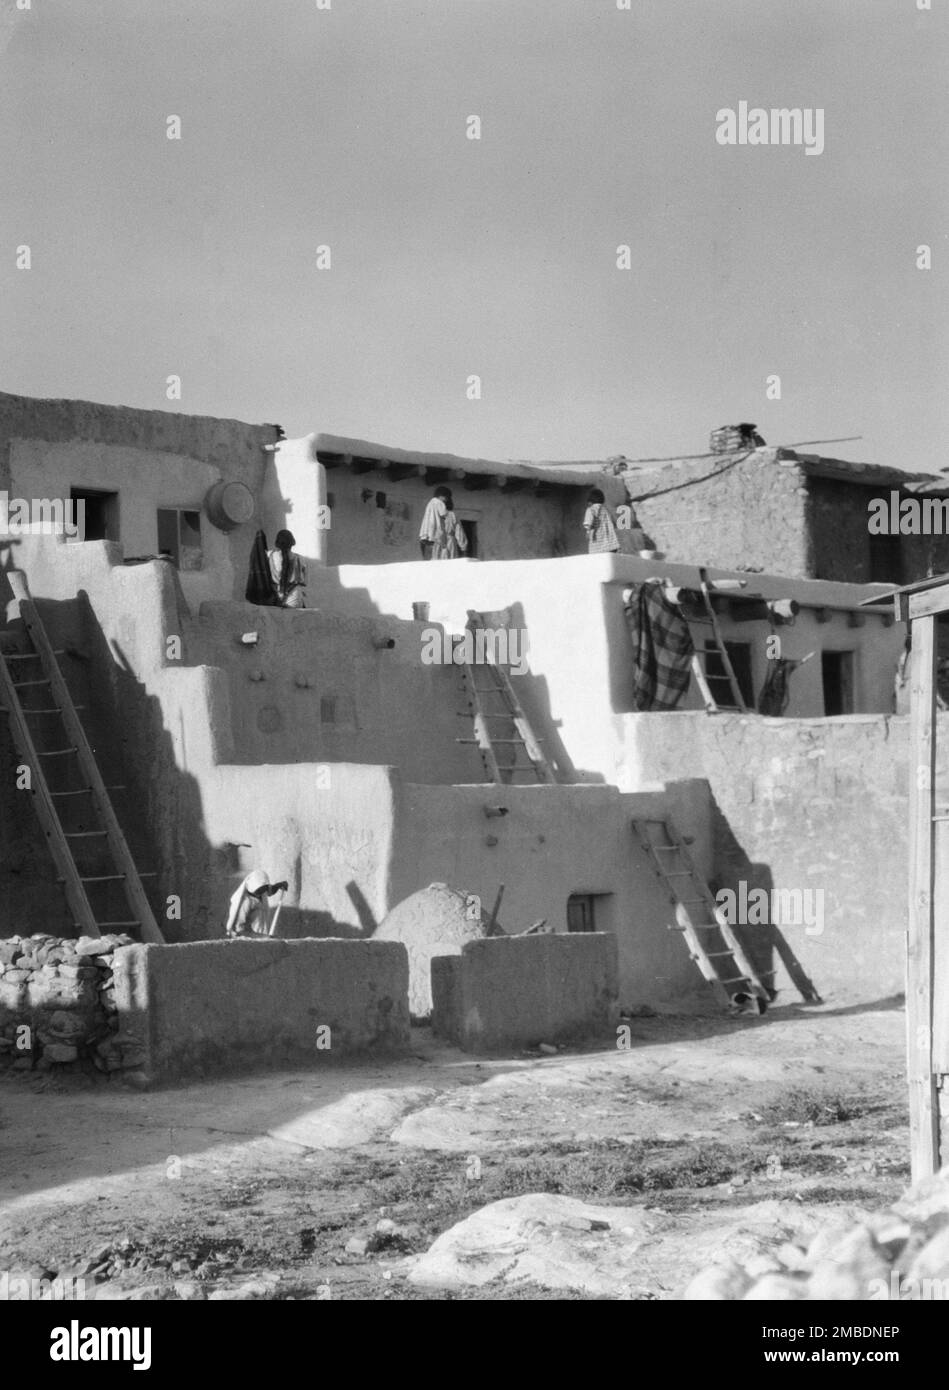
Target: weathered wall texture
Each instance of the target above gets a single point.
(220, 1005)
(769, 512)
(317, 686)
(749, 513)
(502, 993)
(552, 843)
(57, 1005)
(152, 458)
(837, 521)
(818, 805)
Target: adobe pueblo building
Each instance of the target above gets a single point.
(322, 744)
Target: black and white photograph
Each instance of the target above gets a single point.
(474, 642)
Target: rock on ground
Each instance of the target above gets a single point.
(559, 1242)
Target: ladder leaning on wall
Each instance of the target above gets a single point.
(36, 669)
(717, 649)
(709, 936)
(490, 699)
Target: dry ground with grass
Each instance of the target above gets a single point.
(254, 1187)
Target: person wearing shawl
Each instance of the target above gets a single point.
(288, 572)
(599, 524)
(260, 586)
(250, 913)
(441, 535)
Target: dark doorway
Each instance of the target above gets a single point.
(470, 529)
(100, 521)
(837, 678)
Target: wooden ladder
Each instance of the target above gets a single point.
(712, 943)
(496, 686)
(718, 648)
(41, 673)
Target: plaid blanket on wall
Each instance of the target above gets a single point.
(662, 648)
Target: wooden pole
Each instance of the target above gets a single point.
(923, 1097)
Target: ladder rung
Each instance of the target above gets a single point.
(58, 752)
(713, 955)
(119, 924)
(102, 878)
(54, 709)
(736, 979)
(24, 685)
(21, 656)
(85, 834)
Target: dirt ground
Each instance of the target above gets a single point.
(253, 1187)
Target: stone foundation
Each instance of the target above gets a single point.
(57, 1005)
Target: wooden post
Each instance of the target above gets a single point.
(923, 1096)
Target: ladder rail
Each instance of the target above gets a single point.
(500, 686)
(699, 950)
(76, 898)
(134, 891)
(720, 644)
(742, 959)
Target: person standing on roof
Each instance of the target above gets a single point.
(599, 524)
(441, 535)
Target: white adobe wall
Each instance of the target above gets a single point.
(577, 691)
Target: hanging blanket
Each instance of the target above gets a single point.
(662, 648)
(260, 586)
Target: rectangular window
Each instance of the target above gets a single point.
(581, 912)
(179, 535)
(739, 654)
(99, 514)
(837, 677)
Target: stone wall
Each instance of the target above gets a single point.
(750, 512)
(58, 1007)
(509, 992)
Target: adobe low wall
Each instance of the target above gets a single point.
(212, 1006)
(507, 992)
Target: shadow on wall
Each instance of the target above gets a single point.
(159, 804)
(329, 595)
(765, 944)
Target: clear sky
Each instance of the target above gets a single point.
(346, 127)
